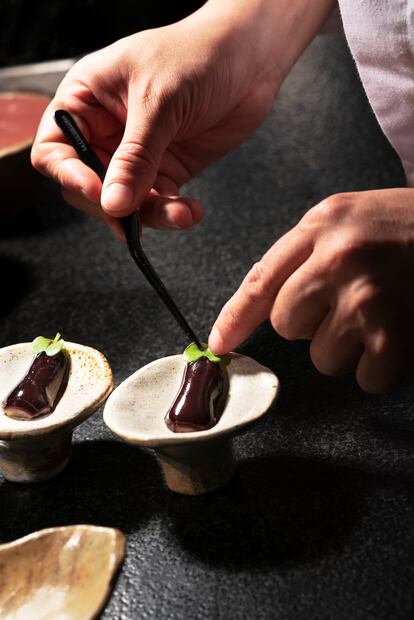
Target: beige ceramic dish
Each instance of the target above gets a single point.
(35, 450)
(198, 462)
(62, 573)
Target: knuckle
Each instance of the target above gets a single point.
(258, 284)
(323, 362)
(151, 94)
(371, 383)
(156, 94)
(386, 361)
(336, 205)
(37, 158)
(381, 343)
(362, 295)
(133, 154)
(332, 208)
(262, 97)
(341, 255)
(282, 325)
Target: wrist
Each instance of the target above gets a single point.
(268, 35)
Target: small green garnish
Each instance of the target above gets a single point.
(192, 353)
(50, 347)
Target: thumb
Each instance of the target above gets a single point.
(134, 165)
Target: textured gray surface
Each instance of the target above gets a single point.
(319, 520)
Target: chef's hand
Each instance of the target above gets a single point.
(157, 107)
(343, 278)
(161, 105)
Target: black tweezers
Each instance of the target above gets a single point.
(130, 223)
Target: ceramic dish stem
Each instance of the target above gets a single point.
(193, 469)
(35, 459)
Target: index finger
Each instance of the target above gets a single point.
(253, 301)
(53, 156)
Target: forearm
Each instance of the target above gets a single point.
(274, 32)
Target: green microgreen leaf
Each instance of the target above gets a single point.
(192, 353)
(40, 344)
(54, 347)
(47, 345)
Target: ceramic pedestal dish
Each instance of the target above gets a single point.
(195, 462)
(35, 450)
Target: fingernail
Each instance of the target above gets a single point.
(117, 197)
(215, 341)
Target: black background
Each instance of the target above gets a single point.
(38, 30)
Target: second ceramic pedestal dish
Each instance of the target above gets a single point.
(195, 462)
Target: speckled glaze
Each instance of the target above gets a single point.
(35, 450)
(195, 462)
(59, 573)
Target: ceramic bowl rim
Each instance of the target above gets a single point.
(67, 424)
(186, 439)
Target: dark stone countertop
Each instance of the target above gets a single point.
(319, 519)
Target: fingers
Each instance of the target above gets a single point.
(52, 156)
(76, 178)
(82, 188)
(348, 341)
(134, 166)
(251, 304)
(161, 212)
(61, 162)
(302, 302)
(336, 346)
(170, 212)
(383, 363)
(81, 202)
(94, 210)
(344, 331)
(132, 171)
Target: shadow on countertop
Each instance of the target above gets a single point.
(276, 510)
(17, 283)
(106, 483)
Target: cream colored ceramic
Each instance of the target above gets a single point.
(35, 450)
(62, 573)
(198, 462)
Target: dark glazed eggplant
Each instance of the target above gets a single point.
(202, 395)
(43, 384)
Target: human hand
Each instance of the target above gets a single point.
(342, 278)
(157, 107)
(161, 105)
